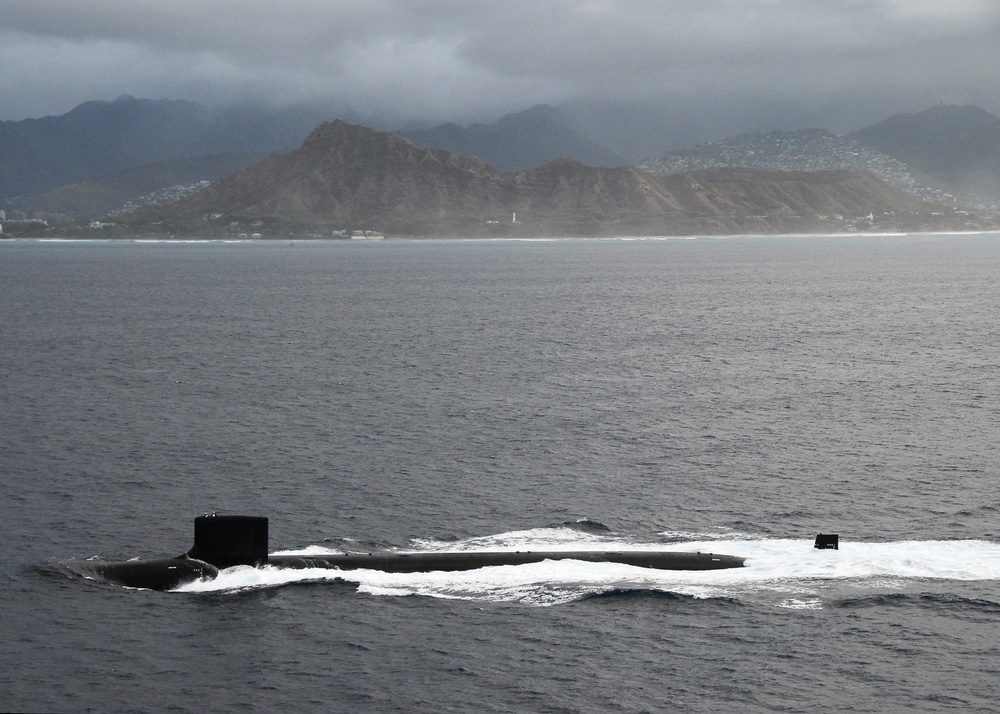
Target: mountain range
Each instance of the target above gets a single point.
(105, 157)
(346, 177)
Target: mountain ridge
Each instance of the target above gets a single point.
(99, 138)
(957, 145)
(518, 141)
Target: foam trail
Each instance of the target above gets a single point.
(534, 539)
(785, 567)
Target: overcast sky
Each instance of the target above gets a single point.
(464, 60)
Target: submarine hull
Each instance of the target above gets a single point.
(226, 541)
(428, 562)
(160, 574)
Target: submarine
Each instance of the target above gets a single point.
(226, 541)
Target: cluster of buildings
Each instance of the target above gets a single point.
(161, 196)
(806, 150)
(22, 217)
(358, 235)
(19, 217)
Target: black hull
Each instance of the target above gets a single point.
(161, 574)
(429, 562)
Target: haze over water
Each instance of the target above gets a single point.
(737, 395)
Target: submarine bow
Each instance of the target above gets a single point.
(226, 541)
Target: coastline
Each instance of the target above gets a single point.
(476, 239)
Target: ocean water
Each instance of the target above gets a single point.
(737, 395)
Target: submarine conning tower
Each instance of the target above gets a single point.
(225, 541)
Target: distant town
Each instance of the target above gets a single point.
(806, 150)
(160, 197)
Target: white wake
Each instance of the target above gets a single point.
(792, 570)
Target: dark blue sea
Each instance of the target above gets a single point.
(737, 395)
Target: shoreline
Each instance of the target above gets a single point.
(490, 239)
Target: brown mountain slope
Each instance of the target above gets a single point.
(347, 176)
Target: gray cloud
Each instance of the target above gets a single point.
(434, 60)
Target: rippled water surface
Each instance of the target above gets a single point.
(734, 395)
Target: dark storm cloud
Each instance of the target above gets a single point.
(461, 60)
